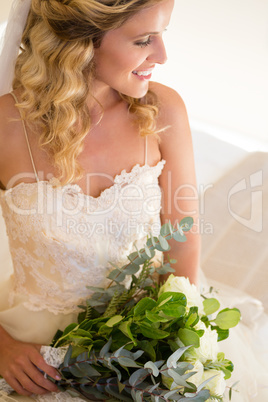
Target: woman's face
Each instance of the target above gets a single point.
(127, 55)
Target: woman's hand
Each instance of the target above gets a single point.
(20, 365)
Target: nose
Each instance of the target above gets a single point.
(158, 54)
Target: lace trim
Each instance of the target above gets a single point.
(53, 356)
(119, 179)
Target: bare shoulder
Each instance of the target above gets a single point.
(172, 109)
(174, 119)
(9, 116)
(9, 127)
(8, 113)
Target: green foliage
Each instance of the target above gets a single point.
(126, 339)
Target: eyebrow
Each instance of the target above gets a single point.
(148, 34)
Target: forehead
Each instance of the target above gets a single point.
(150, 19)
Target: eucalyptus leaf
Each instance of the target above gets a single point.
(96, 289)
(202, 396)
(106, 348)
(138, 396)
(116, 275)
(148, 251)
(204, 383)
(136, 258)
(186, 223)
(76, 371)
(151, 366)
(165, 269)
(137, 377)
(179, 380)
(167, 230)
(131, 269)
(173, 395)
(179, 236)
(88, 370)
(67, 356)
(92, 391)
(127, 362)
(164, 246)
(82, 357)
(151, 242)
(110, 389)
(153, 387)
(96, 303)
(172, 360)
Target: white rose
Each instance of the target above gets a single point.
(208, 349)
(217, 385)
(183, 285)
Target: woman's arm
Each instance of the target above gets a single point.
(20, 363)
(178, 180)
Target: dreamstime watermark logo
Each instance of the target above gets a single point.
(255, 221)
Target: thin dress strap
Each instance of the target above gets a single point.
(146, 149)
(27, 139)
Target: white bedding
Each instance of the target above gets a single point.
(233, 190)
(214, 158)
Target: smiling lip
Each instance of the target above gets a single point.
(143, 74)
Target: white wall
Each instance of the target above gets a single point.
(218, 62)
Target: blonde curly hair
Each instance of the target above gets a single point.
(55, 68)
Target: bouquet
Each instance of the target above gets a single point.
(146, 342)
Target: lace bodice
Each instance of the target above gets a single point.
(62, 240)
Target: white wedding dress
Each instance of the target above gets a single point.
(61, 241)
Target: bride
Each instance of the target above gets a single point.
(84, 137)
(93, 157)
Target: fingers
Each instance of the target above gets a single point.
(17, 386)
(39, 362)
(33, 380)
(23, 368)
(23, 385)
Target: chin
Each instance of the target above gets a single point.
(136, 92)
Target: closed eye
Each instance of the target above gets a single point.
(144, 43)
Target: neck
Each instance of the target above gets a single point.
(104, 98)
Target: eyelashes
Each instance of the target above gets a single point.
(144, 43)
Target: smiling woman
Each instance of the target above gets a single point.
(94, 158)
(84, 137)
(130, 75)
